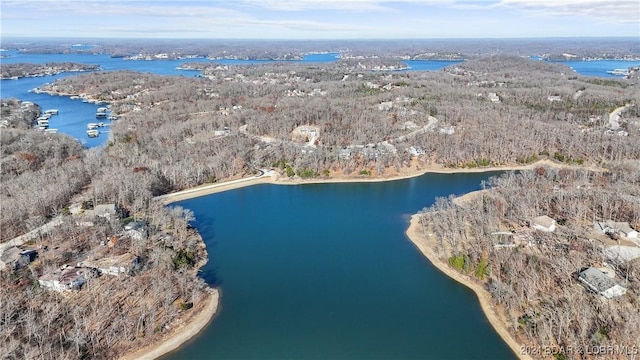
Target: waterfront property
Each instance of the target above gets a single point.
(114, 265)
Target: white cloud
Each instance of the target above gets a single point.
(625, 11)
(101, 9)
(338, 5)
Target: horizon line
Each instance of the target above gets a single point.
(630, 37)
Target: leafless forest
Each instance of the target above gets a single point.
(534, 285)
(26, 69)
(310, 121)
(585, 48)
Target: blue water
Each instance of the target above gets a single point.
(74, 115)
(429, 65)
(597, 67)
(325, 272)
(600, 67)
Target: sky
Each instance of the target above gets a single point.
(319, 19)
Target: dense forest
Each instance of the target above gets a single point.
(307, 121)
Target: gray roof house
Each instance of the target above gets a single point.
(599, 282)
(17, 257)
(621, 228)
(136, 230)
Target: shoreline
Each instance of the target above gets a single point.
(414, 235)
(204, 190)
(186, 330)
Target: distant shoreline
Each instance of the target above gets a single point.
(204, 190)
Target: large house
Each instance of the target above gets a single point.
(543, 223)
(114, 265)
(599, 282)
(69, 278)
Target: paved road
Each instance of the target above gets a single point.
(614, 117)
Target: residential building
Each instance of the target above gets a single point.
(599, 282)
(620, 228)
(543, 223)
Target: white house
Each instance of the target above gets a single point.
(67, 279)
(114, 265)
(105, 210)
(621, 228)
(543, 223)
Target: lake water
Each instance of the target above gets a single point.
(325, 271)
(600, 67)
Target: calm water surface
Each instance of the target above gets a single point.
(326, 272)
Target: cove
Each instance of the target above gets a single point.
(324, 271)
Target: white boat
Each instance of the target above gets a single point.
(101, 112)
(92, 126)
(43, 122)
(51, 112)
(93, 133)
(51, 131)
(623, 72)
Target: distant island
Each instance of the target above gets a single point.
(20, 70)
